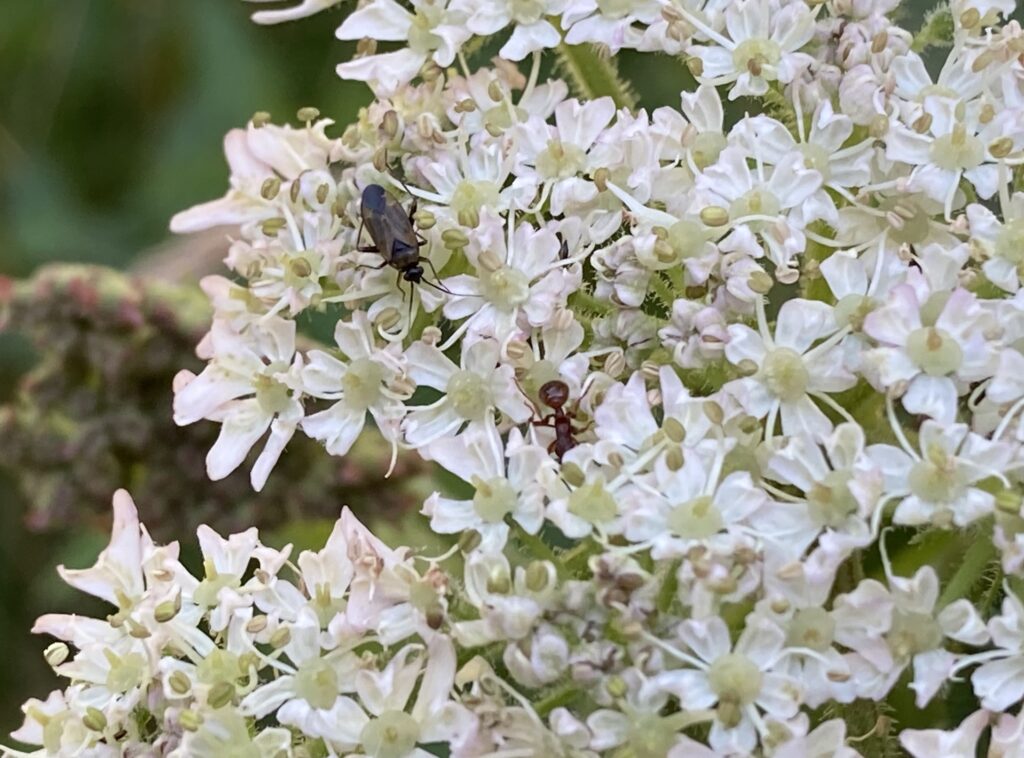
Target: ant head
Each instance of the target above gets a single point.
(554, 394)
(375, 198)
(413, 274)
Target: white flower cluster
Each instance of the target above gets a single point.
(695, 370)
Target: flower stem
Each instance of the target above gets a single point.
(594, 75)
(976, 560)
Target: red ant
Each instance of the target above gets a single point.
(555, 394)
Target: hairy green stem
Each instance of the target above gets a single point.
(976, 560)
(594, 75)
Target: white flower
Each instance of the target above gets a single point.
(359, 382)
(789, 371)
(1001, 240)
(256, 154)
(935, 360)
(737, 681)
(472, 392)
(951, 146)
(307, 694)
(433, 32)
(532, 32)
(762, 46)
(245, 388)
(999, 682)
(478, 456)
(936, 484)
(518, 287)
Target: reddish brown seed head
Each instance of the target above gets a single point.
(554, 394)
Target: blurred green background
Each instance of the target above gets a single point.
(111, 119)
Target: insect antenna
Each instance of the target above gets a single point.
(440, 287)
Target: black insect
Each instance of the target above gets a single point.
(393, 233)
(555, 394)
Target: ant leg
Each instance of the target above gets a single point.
(359, 234)
(398, 283)
(432, 269)
(367, 248)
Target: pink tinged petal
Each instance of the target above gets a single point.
(429, 366)
(708, 638)
(337, 428)
(935, 743)
(792, 183)
(985, 179)
(691, 688)
(119, 566)
(703, 108)
(438, 679)
(931, 670)
(1008, 383)
(449, 516)
(716, 62)
(902, 144)
(387, 72)
(231, 210)
(243, 425)
(744, 344)
(281, 432)
(752, 395)
(301, 10)
(526, 39)
(761, 641)
(801, 323)
(892, 323)
(580, 124)
(431, 424)
(268, 698)
(933, 396)
(780, 695)
(803, 416)
(197, 397)
(383, 20)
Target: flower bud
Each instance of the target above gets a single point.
(167, 610)
(970, 18)
(454, 239)
(537, 576)
(495, 91)
(760, 282)
(56, 654)
(469, 541)
(674, 430)
(389, 124)
(221, 694)
(878, 127)
(714, 216)
(281, 637)
(713, 411)
(270, 188)
(94, 719)
(922, 123)
(179, 683)
(190, 721)
(424, 219)
(1001, 147)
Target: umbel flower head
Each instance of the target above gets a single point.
(727, 398)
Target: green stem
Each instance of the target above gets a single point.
(558, 697)
(976, 560)
(594, 75)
